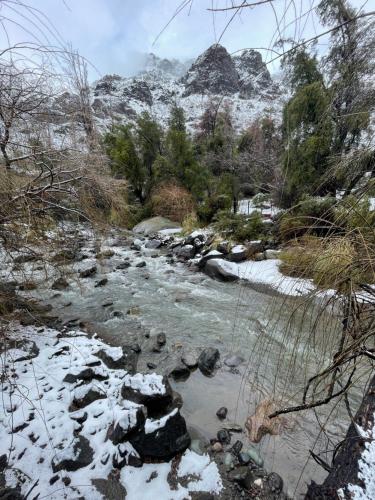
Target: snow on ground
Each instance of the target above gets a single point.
(38, 424)
(366, 469)
(247, 207)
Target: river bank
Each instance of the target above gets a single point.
(138, 302)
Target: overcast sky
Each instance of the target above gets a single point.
(112, 34)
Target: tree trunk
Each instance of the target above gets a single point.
(346, 463)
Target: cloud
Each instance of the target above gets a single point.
(113, 34)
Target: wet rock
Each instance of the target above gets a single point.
(123, 265)
(169, 438)
(141, 264)
(128, 360)
(86, 273)
(180, 372)
(81, 456)
(237, 447)
(243, 476)
(233, 361)
(207, 360)
(223, 436)
(86, 375)
(190, 359)
(141, 389)
(153, 225)
(161, 338)
(79, 417)
(151, 366)
(223, 247)
(221, 270)
(101, 282)
(153, 244)
(222, 413)
(11, 494)
(136, 246)
(105, 254)
(107, 303)
(238, 253)
(29, 347)
(80, 402)
(60, 284)
(274, 483)
(244, 458)
(255, 456)
(186, 252)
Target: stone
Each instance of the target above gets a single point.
(101, 282)
(272, 254)
(213, 254)
(217, 447)
(221, 270)
(153, 244)
(186, 252)
(244, 458)
(141, 264)
(190, 359)
(223, 436)
(82, 455)
(110, 488)
(128, 360)
(255, 456)
(242, 475)
(232, 427)
(161, 339)
(154, 224)
(233, 361)
(258, 257)
(180, 372)
(274, 482)
(81, 402)
(238, 253)
(207, 360)
(11, 494)
(223, 247)
(222, 413)
(133, 419)
(86, 273)
(237, 447)
(86, 375)
(123, 265)
(156, 402)
(165, 442)
(254, 247)
(60, 284)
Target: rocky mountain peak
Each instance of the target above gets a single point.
(214, 71)
(252, 72)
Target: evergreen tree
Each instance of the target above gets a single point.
(307, 132)
(124, 160)
(148, 140)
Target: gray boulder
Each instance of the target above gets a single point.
(153, 225)
(207, 360)
(221, 270)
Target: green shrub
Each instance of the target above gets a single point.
(239, 227)
(212, 205)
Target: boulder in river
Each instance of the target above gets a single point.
(180, 372)
(207, 360)
(154, 224)
(222, 413)
(60, 284)
(213, 254)
(186, 252)
(86, 273)
(221, 270)
(153, 244)
(233, 361)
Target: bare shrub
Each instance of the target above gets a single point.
(172, 201)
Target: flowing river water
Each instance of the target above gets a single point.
(279, 338)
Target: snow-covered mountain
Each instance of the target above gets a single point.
(242, 81)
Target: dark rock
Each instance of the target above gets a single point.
(136, 246)
(86, 273)
(244, 458)
(156, 403)
(134, 461)
(214, 254)
(141, 264)
(161, 338)
(28, 257)
(108, 303)
(237, 447)
(128, 360)
(207, 360)
(165, 442)
(101, 282)
(222, 413)
(121, 431)
(180, 372)
(29, 346)
(243, 476)
(82, 453)
(110, 488)
(223, 436)
(91, 396)
(218, 269)
(60, 284)
(151, 366)
(123, 265)
(238, 253)
(80, 417)
(274, 483)
(10, 494)
(87, 375)
(223, 247)
(28, 286)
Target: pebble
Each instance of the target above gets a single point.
(217, 447)
(222, 413)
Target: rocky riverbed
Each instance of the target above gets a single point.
(169, 321)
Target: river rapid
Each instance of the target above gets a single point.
(280, 339)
